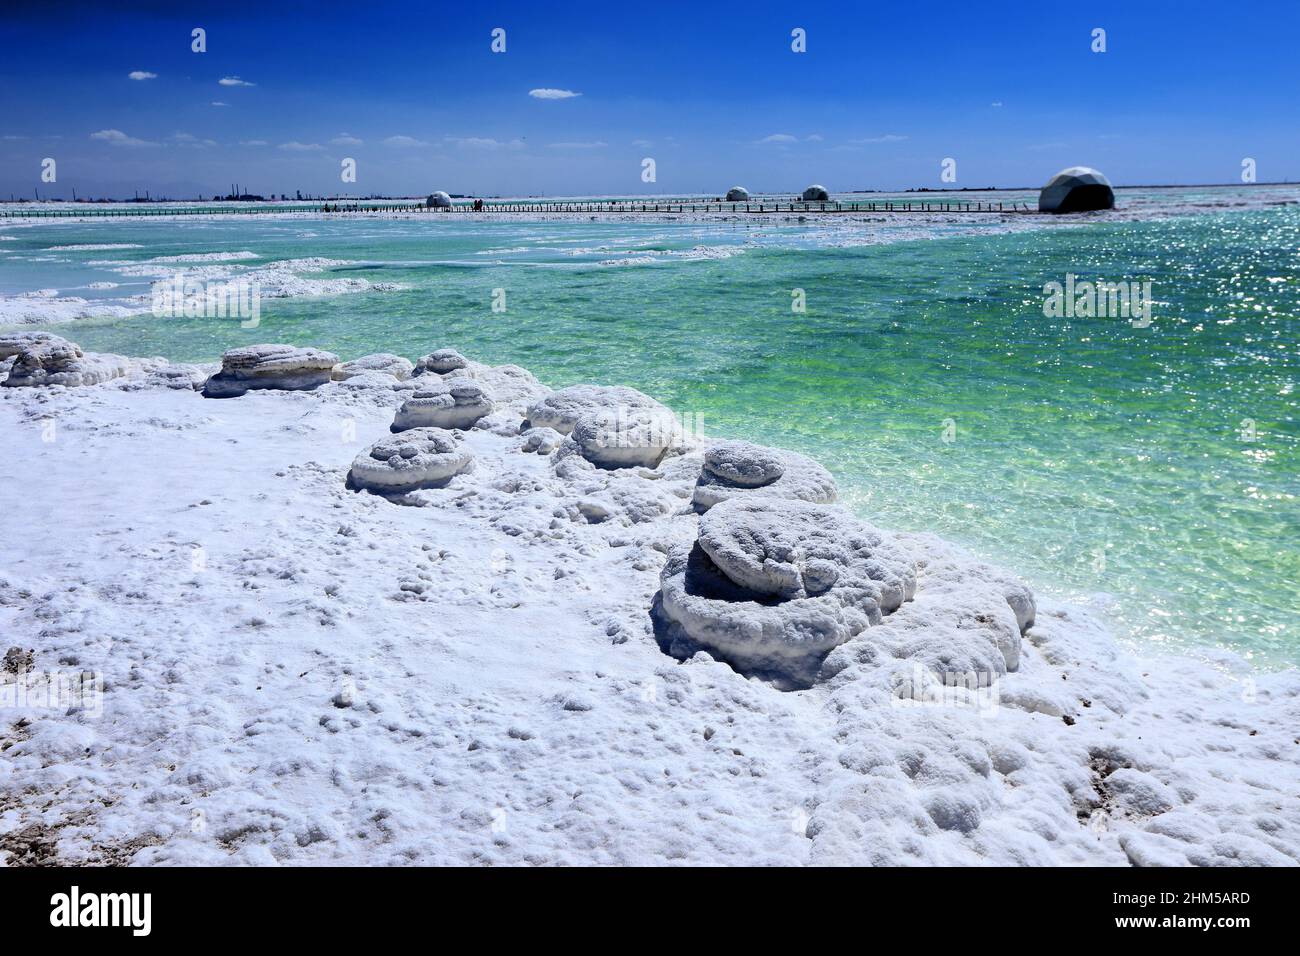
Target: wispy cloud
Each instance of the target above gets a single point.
(403, 141)
(254, 142)
(1055, 144)
(597, 144)
(141, 75)
(887, 138)
(189, 139)
(219, 103)
(641, 142)
(296, 147)
(234, 81)
(115, 137)
(996, 103)
(814, 138)
(547, 93)
(779, 139)
(345, 139)
(485, 142)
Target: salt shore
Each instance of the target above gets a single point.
(422, 610)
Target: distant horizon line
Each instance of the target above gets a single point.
(371, 198)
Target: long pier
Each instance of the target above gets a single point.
(618, 207)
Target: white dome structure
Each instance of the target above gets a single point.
(1077, 189)
(438, 200)
(737, 194)
(816, 193)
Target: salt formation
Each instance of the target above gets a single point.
(816, 193)
(418, 458)
(40, 358)
(562, 409)
(11, 343)
(383, 362)
(1077, 189)
(739, 469)
(772, 586)
(443, 362)
(270, 366)
(737, 194)
(449, 403)
(626, 437)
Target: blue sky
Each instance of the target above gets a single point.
(712, 92)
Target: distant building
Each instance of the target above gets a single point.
(1077, 189)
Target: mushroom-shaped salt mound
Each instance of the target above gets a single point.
(442, 362)
(269, 366)
(737, 194)
(419, 458)
(562, 409)
(44, 359)
(772, 585)
(385, 362)
(816, 193)
(438, 200)
(1077, 189)
(738, 469)
(626, 437)
(450, 403)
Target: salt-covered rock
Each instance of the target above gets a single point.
(418, 458)
(384, 362)
(44, 359)
(626, 437)
(450, 403)
(771, 585)
(541, 441)
(284, 367)
(443, 362)
(738, 469)
(11, 343)
(509, 384)
(561, 409)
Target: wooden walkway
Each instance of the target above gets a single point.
(89, 211)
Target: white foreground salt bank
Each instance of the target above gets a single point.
(297, 673)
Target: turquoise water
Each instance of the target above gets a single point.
(1106, 463)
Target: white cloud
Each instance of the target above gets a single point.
(234, 81)
(779, 138)
(814, 138)
(403, 142)
(887, 138)
(296, 147)
(546, 93)
(485, 142)
(142, 75)
(115, 137)
(597, 144)
(345, 139)
(641, 142)
(219, 103)
(254, 142)
(996, 103)
(189, 139)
